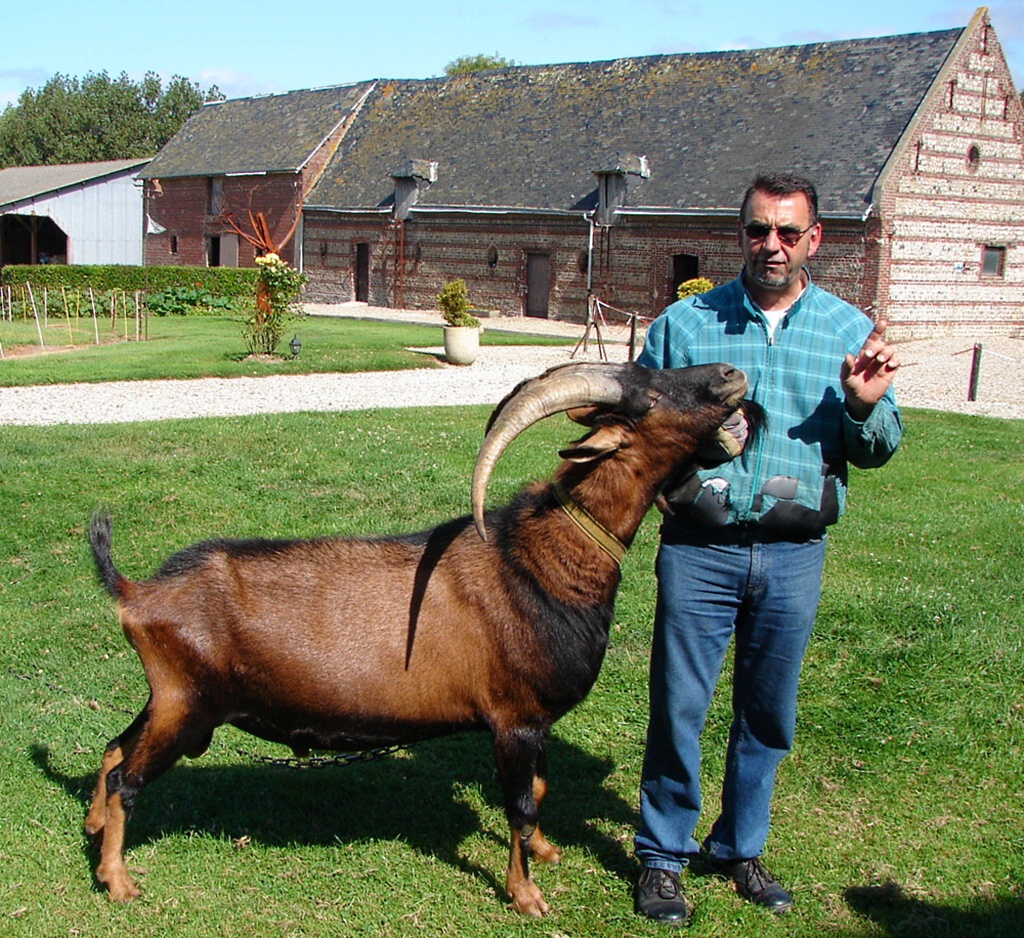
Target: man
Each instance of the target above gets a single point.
(742, 545)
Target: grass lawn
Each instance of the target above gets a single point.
(210, 346)
(901, 812)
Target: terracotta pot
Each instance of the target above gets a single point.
(461, 344)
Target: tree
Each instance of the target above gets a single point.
(72, 120)
(465, 64)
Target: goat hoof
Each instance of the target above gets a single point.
(124, 893)
(120, 887)
(530, 901)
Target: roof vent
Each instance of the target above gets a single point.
(616, 182)
(411, 178)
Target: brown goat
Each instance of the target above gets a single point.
(344, 644)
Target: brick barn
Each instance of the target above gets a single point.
(544, 185)
(262, 154)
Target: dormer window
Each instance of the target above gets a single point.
(412, 178)
(615, 183)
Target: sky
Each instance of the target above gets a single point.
(260, 47)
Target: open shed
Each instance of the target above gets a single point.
(78, 213)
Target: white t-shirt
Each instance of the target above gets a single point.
(774, 317)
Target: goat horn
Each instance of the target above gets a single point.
(559, 389)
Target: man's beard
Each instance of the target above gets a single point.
(772, 280)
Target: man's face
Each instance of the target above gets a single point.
(770, 262)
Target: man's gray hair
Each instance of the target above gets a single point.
(782, 184)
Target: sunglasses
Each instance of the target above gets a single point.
(788, 235)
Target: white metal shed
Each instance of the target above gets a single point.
(79, 213)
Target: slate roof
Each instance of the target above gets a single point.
(531, 137)
(274, 133)
(18, 183)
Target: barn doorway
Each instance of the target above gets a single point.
(32, 239)
(213, 251)
(684, 267)
(538, 285)
(362, 272)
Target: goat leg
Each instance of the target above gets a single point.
(148, 748)
(517, 753)
(540, 847)
(111, 870)
(96, 819)
(113, 755)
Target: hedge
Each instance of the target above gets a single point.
(222, 281)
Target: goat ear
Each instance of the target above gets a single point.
(601, 442)
(584, 415)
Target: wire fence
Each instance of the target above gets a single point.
(76, 316)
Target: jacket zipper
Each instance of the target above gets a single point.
(769, 356)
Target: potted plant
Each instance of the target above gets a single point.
(462, 330)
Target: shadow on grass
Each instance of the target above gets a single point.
(418, 798)
(889, 907)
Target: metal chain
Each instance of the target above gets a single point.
(320, 762)
(291, 762)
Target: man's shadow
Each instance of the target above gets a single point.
(417, 796)
(888, 906)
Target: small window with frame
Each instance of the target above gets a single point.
(993, 260)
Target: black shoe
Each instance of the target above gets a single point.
(659, 898)
(755, 884)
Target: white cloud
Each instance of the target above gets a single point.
(237, 84)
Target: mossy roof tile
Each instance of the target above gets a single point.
(263, 134)
(530, 137)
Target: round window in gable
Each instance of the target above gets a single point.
(492, 257)
(973, 158)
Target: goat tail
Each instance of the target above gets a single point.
(100, 527)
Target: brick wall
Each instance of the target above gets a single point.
(957, 188)
(182, 208)
(631, 262)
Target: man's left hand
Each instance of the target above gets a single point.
(728, 441)
(868, 376)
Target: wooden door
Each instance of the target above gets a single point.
(538, 284)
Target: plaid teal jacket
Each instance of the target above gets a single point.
(792, 480)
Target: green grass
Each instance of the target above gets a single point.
(209, 346)
(901, 812)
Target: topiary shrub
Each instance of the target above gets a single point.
(453, 301)
(694, 287)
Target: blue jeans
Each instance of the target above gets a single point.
(766, 594)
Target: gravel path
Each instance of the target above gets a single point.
(936, 375)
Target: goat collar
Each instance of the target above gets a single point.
(589, 525)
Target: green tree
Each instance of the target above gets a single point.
(76, 120)
(465, 64)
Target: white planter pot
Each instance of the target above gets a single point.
(461, 344)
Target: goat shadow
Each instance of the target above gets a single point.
(414, 797)
(897, 914)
